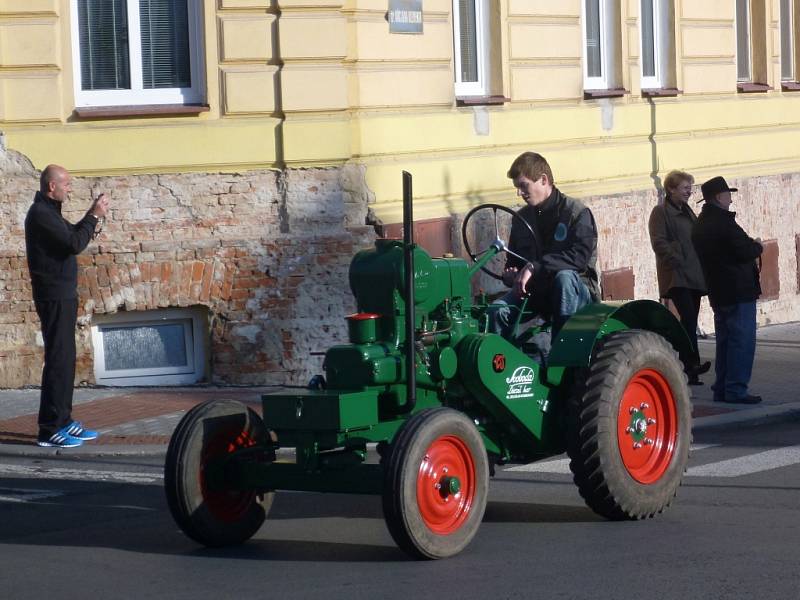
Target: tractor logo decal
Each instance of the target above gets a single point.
(499, 363)
(520, 384)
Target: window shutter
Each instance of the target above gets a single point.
(103, 27)
(165, 44)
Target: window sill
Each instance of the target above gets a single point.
(610, 93)
(481, 100)
(790, 86)
(661, 92)
(746, 87)
(143, 110)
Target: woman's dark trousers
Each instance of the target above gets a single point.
(687, 303)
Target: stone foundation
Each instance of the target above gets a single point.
(266, 252)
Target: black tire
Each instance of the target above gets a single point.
(419, 515)
(212, 517)
(630, 426)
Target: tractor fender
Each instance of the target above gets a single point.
(574, 345)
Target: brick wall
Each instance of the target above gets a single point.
(766, 207)
(266, 252)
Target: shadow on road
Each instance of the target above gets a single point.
(301, 527)
(519, 512)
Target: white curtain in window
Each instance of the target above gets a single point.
(145, 346)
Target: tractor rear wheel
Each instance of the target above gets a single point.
(209, 515)
(436, 484)
(630, 426)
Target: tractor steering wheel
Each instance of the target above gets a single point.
(498, 243)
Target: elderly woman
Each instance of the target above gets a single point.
(680, 277)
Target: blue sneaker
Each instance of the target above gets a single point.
(76, 430)
(60, 439)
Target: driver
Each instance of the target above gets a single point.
(555, 268)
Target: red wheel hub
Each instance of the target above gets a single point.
(647, 426)
(226, 505)
(446, 484)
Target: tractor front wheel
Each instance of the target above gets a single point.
(436, 484)
(630, 426)
(205, 511)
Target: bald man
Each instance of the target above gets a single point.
(52, 243)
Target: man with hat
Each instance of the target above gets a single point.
(728, 259)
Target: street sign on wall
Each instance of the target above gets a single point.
(405, 16)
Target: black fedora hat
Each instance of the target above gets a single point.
(714, 186)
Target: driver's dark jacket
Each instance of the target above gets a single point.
(565, 239)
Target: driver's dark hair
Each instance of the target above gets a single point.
(532, 166)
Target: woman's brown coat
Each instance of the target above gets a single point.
(677, 264)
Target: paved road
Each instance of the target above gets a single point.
(77, 527)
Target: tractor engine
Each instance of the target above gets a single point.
(376, 355)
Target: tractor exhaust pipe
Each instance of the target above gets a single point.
(408, 265)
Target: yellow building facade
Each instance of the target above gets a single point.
(615, 93)
(319, 83)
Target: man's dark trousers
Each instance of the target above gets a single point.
(58, 318)
(735, 330)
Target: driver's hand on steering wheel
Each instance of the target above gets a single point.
(509, 276)
(522, 279)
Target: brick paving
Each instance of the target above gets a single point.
(155, 412)
(149, 417)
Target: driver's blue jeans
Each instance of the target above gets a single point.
(566, 296)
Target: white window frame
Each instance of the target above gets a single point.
(661, 45)
(608, 46)
(194, 340)
(482, 16)
(137, 95)
(788, 22)
(746, 28)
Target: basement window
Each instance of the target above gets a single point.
(149, 348)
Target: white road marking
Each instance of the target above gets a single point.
(747, 465)
(81, 474)
(560, 466)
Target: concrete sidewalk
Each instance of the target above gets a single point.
(140, 421)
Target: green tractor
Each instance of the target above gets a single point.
(443, 403)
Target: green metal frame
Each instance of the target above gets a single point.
(519, 409)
